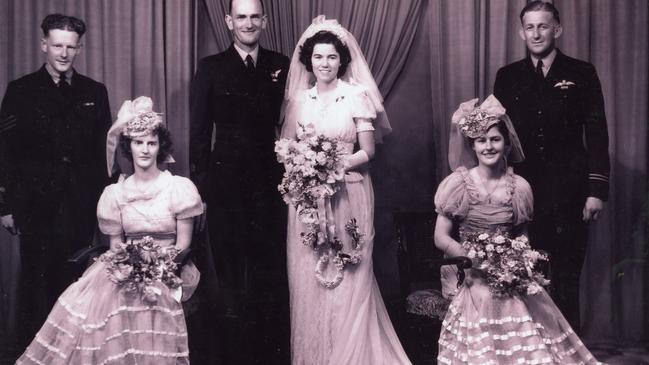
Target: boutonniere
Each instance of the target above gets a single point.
(563, 84)
(275, 75)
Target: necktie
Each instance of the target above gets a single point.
(250, 65)
(539, 69)
(63, 84)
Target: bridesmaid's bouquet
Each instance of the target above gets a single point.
(508, 263)
(139, 266)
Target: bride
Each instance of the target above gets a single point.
(337, 314)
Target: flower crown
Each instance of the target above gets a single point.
(473, 121)
(142, 124)
(141, 119)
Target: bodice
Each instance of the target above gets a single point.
(339, 118)
(124, 208)
(464, 200)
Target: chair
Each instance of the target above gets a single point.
(423, 305)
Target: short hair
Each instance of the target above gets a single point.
(325, 37)
(230, 7)
(64, 22)
(164, 138)
(539, 5)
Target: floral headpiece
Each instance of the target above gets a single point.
(139, 117)
(473, 121)
(320, 23)
(135, 118)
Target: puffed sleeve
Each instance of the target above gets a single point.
(185, 200)
(109, 216)
(522, 200)
(362, 109)
(451, 198)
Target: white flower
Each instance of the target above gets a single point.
(483, 237)
(499, 240)
(471, 254)
(533, 288)
(489, 247)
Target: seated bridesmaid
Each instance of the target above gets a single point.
(96, 321)
(484, 196)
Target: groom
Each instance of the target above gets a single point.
(235, 101)
(557, 108)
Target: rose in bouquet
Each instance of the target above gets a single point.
(509, 264)
(140, 266)
(314, 169)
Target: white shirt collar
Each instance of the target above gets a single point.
(56, 76)
(254, 53)
(547, 61)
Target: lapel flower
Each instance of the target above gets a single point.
(275, 75)
(563, 84)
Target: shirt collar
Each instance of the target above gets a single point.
(56, 76)
(254, 53)
(547, 61)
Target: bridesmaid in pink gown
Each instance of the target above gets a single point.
(483, 195)
(93, 321)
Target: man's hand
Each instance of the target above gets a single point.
(201, 220)
(8, 223)
(592, 208)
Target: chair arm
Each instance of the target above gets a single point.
(461, 262)
(83, 255)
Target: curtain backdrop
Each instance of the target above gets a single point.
(470, 40)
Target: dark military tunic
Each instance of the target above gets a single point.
(234, 119)
(52, 171)
(562, 127)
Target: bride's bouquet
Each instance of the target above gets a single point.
(139, 266)
(508, 263)
(314, 166)
(314, 169)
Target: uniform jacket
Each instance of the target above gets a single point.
(562, 127)
(241, 110)
(52, 149)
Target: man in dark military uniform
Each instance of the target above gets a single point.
(53, 126)
(557, 108)
(236, 96)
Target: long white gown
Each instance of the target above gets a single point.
(348, 324)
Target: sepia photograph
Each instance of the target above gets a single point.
(324, 182)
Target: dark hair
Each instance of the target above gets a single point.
(164, 137)
(325, 37)
(502, 128)
(230, 7)
(541, 6)
(64, 22)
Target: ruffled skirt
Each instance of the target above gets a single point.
(481, 329)
(95, 323)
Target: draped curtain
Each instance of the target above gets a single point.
(471, 39)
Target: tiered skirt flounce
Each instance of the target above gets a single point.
(93, 322)
(481, 329)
